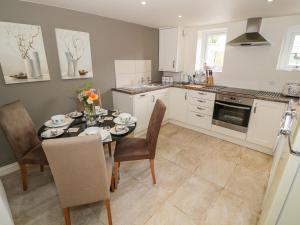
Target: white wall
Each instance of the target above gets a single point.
(250, 67)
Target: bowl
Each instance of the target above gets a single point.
(58, 119)
(125, 117)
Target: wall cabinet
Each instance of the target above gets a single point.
(265, 122)
(171, 49)
(178, 104)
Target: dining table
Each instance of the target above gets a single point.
(80, 123)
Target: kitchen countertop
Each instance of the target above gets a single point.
(263, 95)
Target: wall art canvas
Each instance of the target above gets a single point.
(74, 54)
(22, 53)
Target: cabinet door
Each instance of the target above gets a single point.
(178, 104)
(265, 122)
(162, 95)
(168, 39)
(141, 105)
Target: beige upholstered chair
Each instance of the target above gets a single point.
(80, 170)
(21, 135)
(129, 149)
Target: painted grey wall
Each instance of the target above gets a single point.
(110, 40)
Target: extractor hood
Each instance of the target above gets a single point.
(252, 37)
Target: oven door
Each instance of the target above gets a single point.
(232, 116)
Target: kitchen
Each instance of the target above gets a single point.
(226, 79)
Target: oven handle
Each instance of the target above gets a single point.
(233, 106)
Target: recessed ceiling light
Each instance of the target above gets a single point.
(143, 2)
(270, 0)
(179, 16)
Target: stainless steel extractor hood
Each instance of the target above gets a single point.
(252, 37)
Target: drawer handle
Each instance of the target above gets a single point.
(142, 95)
(199, 115)
(201, 93)
(200, 108)
(201, 101)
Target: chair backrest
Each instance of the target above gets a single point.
(79, 169)
(154, 126)
(18, 128)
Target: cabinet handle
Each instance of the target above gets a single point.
(185, 96)
(199, 115)
(153, 98)
(254, 111)
(201, 93)
(173, 64)
(201, 101)
(200, 108)
(142, 95)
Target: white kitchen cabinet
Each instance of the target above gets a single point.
(178, 104)
(265, 122)
(141, 110)
(171, 49)
(141, 105)
(163, 95)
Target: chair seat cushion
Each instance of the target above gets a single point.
(129, 149)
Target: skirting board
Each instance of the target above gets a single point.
(4, 170)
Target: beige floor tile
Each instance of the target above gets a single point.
(249, 185)
(228, 151)
(256, 161)
(188, 159)
(195, 196)
(167, 149)
(170, 215)
(229, 209)
(215, 169)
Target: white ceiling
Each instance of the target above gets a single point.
(162, 13)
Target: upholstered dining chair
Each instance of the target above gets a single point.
(81, 172)
(22, 137)
(130, 149)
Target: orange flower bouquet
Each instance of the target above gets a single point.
(89, 98)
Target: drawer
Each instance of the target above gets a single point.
(201, 109)
(202, 94)
(200, 120)
(202, 102)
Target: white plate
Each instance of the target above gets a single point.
(48, 134)
(115, 114)
(74, 114)
(131, 121)
(49, 123)
(124, 131)
(104, 133)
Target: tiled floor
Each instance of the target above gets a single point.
(200, 181)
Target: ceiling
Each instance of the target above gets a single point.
(163, 13)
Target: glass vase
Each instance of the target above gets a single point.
(90, 115)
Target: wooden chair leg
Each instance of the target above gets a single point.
(116, 174)
(23, 170)
(67, 216)
(107, 203)
(42, 168)
(112, 183)
(152, 170)
(109, 148)
(119, 164)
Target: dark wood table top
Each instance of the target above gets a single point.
(81, 124)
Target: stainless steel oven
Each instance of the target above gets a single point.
(232, 112)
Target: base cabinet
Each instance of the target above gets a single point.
(265, 122)
(178, 104)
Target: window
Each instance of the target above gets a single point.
(289, 58)
(211, 49)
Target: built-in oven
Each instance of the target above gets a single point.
(232, 112)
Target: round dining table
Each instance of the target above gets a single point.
(80, 123)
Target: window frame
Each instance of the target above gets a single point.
(204, 44)
(286, 48)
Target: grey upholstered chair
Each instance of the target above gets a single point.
(81, 172)
(22, 137)
(129, 149)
